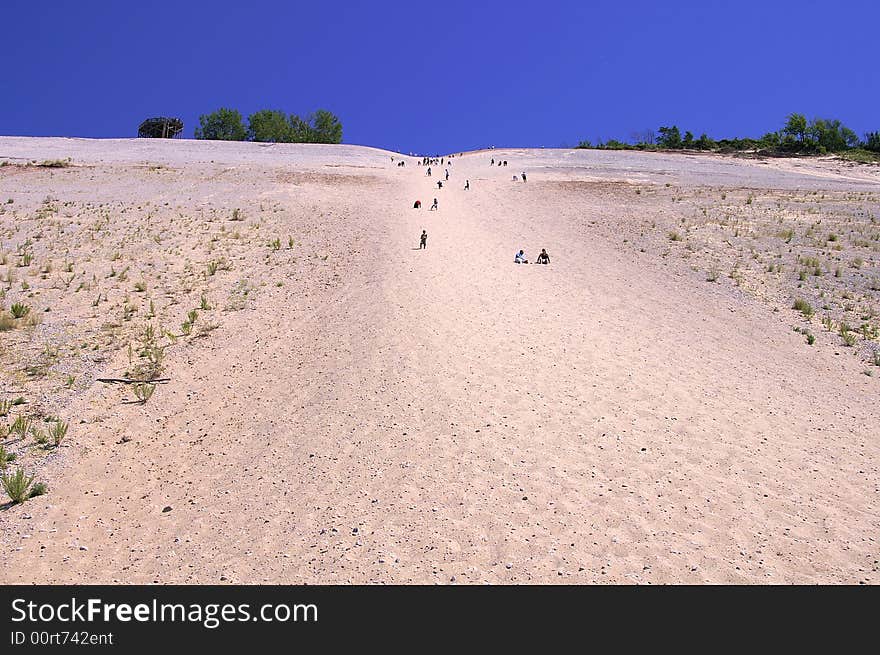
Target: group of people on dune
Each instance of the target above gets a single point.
(520, 257)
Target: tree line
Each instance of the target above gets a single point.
(797, 136)
(270, 125)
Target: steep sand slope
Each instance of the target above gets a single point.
(444, 415)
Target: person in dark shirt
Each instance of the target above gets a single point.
(543, 258)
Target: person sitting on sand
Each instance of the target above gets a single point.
(423, 241)
(417, 204)
(434, 206)
(520, 258)
(543, 258)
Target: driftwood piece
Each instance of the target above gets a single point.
(128, 381)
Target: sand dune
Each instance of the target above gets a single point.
(353, 410)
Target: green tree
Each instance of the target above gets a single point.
(325, 127)
(830, 135)
(670, 137)
(796, 128)
(688, 141)
(705, 143)
(269, 125)
(221, 125)
(872, 142)
(771, 140)
(301, 130)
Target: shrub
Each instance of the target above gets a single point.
(144, 391)
(39, 436)
(21, 426)
(19, 311)
(803, 307)
(39, 489)
(5, 457)
(58, 432)
(17, 486)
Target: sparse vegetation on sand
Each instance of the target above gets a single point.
(88, 273)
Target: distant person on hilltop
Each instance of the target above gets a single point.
(434, 206)
(543, 258)
(505, 162)
(524, 177)
(493, 161)
(447, 173)
(429, 172)
(423, 241)
(520, 258)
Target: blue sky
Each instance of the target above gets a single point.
(442, 76)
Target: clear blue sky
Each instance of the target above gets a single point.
(442, 76)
